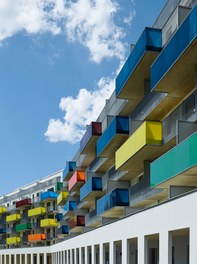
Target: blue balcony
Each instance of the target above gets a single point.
(70, 206)
(2, 230)
(113, 203)
(113, 137)
(91, 188)
(69, 169)
(143, 55)
(93, 131)
(59, 216)
(63, 230)
(174, 70)
(47, 196)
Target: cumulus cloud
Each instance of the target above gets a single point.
(79, 111)
(88, 22)
(129, 18)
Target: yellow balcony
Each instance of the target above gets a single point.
(13, 240)
(36, 211)
(143, 144)
(13, 217)
(49, 223)
(61, 199)
(2, 210)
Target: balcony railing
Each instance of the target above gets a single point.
(13, 240)
(69, 169)
(77, 180)
(61, 199)
(174, 49)
(36, 237)
(36, 211)
(70, 206)
(150, 40)
(178, 166)
(3, 230)
(63, 230)
(13, 218)
(93, 184)
(93, 130)
(23, 227)
(118, 126)
(118, 197)
(2, 210)
(49, 195)
(24, 202)
(149, 133)
(49, 223)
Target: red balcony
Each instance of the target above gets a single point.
(24, 202)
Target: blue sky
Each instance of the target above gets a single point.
(58, 60)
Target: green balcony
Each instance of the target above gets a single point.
(176, 167)
(23, 227)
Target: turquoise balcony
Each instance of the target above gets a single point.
(113, 203)
(176, 167)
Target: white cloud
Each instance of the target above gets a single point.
(88, 22)
(129, 18)
(79, 111)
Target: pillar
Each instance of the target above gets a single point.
(165, 248)
(111, 252)
(142, 250)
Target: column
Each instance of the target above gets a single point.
(32, 258)
(93, 254)
(101, 254)
(10, 256)
(80, 256)
(38, 258)
(111, 253)
(193, 245)
(63, 257)
(15, 259)
(25, 259)
(0, 259)
(44, 258)
(165, 248)
(124, 251)
(86, 255)
(142, 250)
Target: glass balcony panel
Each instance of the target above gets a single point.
(45, 196)
(93, 184)
(23, 227)
(119, 125)
(13, 217)
(36, 211)
(49, 223)
(69, 169)
(117, 197)
(36, 237)
(178, 166)
(24, 202)
(76, 180)
(150, 40)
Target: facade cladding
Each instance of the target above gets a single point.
(129, 195)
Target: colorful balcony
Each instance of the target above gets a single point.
(13, 218)
(58, 186)
(143, 144)
(36, 237)
(174, 71)
(2, 210)
(24, 203)
(113, 137)
(48, 196)
(77, 224)
(59, 217)
(63, 230)
(76, 181)
(130, 81)
(176, 167)
(91, 190)
(69, 169)
(49, 223)
(13, 240)
(23, 227)
(2, 231)
(61, 199)
(113, 203)
(36, 211)
(69, 207)
(88, 142)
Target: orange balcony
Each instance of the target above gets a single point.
(76, 181)
(36, 237)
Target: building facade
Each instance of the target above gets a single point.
(129, 194)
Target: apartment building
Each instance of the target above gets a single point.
(129, 194)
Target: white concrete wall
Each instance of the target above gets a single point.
(178, 214)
